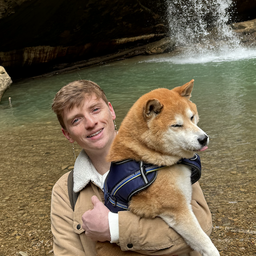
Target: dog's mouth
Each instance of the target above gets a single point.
(203, 148)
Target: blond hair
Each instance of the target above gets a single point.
(72, 95)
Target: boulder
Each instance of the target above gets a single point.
(5, 81)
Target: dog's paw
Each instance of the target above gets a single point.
(211, 252)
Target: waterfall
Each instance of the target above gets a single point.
(201, 25)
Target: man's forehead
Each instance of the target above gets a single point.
(92, 99)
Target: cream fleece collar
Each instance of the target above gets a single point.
(84, 172)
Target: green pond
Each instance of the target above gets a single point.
(34, 153)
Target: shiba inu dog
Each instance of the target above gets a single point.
(160, 129)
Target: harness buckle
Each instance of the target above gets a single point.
(143, 172)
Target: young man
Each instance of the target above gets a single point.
(86, 117)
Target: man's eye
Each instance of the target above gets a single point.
(95, 109)
(177, 125)
(75, 121)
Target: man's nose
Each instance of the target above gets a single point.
(90, 122)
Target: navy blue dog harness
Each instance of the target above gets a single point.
(128, 177)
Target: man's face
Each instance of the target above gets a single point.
(90, 125)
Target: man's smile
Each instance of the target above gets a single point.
(94, 134)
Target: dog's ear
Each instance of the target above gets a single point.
(152, 107)
(186, 89)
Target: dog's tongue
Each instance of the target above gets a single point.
(204, 148)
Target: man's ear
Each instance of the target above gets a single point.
(112, 111)
(66, 134)
(152, 107)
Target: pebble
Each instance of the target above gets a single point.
(23, 253)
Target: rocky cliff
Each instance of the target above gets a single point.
(36, 32)
(39, 35)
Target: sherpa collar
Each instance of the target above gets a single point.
(84, 172)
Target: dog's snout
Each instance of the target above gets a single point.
(203, 140)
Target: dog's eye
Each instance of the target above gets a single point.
(177, 125)
(192, 117)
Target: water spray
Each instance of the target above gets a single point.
(201, 25)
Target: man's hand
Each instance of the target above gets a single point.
(95, 221)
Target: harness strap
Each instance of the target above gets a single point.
(72, 195)
(195, 165)
(127, 178)
(124, 180)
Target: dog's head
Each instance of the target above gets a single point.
(163, 122)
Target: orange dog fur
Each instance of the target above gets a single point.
(161, 128)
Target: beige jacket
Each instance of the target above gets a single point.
(152, 236)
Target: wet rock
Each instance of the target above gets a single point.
(164, 45)
(246, 31)
(245, 27)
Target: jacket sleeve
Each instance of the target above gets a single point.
(65, 241)
(154, 236)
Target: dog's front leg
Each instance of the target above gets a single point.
(169, 197)
(183, 220)
(188, 227)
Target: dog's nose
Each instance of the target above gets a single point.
(203, 140)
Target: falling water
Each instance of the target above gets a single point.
(201, 23)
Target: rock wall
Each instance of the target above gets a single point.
(38, 35)
(44, 31)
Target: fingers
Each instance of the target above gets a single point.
(95, 221)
